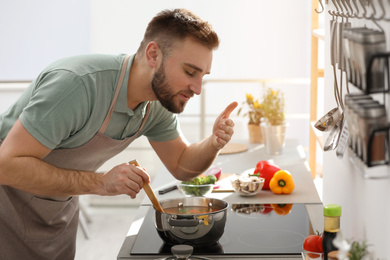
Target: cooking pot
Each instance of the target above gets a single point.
(198, 229)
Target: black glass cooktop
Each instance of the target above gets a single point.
(251, 229)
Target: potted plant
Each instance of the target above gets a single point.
(253, 109)
(273, 107)
(274, 125)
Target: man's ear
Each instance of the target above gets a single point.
(153, 54)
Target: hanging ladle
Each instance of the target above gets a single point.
(334, 137)
(330, 119)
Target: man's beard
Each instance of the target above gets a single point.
(163, 92)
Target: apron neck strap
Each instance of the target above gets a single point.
(116, 94)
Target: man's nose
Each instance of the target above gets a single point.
(196, 86)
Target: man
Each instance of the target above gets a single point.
(81, 111)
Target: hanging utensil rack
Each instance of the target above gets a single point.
(384, 90)
(368, 11)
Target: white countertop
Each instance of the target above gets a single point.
(292, 159)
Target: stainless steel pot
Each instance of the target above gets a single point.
(193, 229)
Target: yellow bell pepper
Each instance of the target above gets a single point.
(282, 182)
(282, 209)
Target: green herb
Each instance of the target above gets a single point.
(358, 250)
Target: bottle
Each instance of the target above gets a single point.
(332, 213)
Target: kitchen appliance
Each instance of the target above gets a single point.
(251, 229)
(204, 227)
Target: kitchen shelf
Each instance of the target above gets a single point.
(377, 172)
(370, 170)
(319, 33)
(370, 75)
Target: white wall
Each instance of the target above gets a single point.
(365, 203)
(35, 33)
(259, 39)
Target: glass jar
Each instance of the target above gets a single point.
(356, 104)
(368, 43)
(332, 214)
(348, 113)
(372, 117)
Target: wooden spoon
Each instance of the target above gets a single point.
(149, 191)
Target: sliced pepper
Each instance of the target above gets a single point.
(265, 170)
(282, 183)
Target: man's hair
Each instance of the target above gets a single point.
(170, 26)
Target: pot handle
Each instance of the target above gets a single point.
(183, 222)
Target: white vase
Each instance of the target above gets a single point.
(274, 137)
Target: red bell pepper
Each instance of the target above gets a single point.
(266, 208)
(265, 170)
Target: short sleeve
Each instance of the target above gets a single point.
(58, 108)
(162, 124)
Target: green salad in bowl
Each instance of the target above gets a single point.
(199, 186)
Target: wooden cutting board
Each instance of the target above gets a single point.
(224, 184)
(232, 148)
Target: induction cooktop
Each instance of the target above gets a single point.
(251, 229)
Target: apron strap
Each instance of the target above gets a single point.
(116, 94)
(143, 122)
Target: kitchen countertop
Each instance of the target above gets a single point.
(292, 159)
